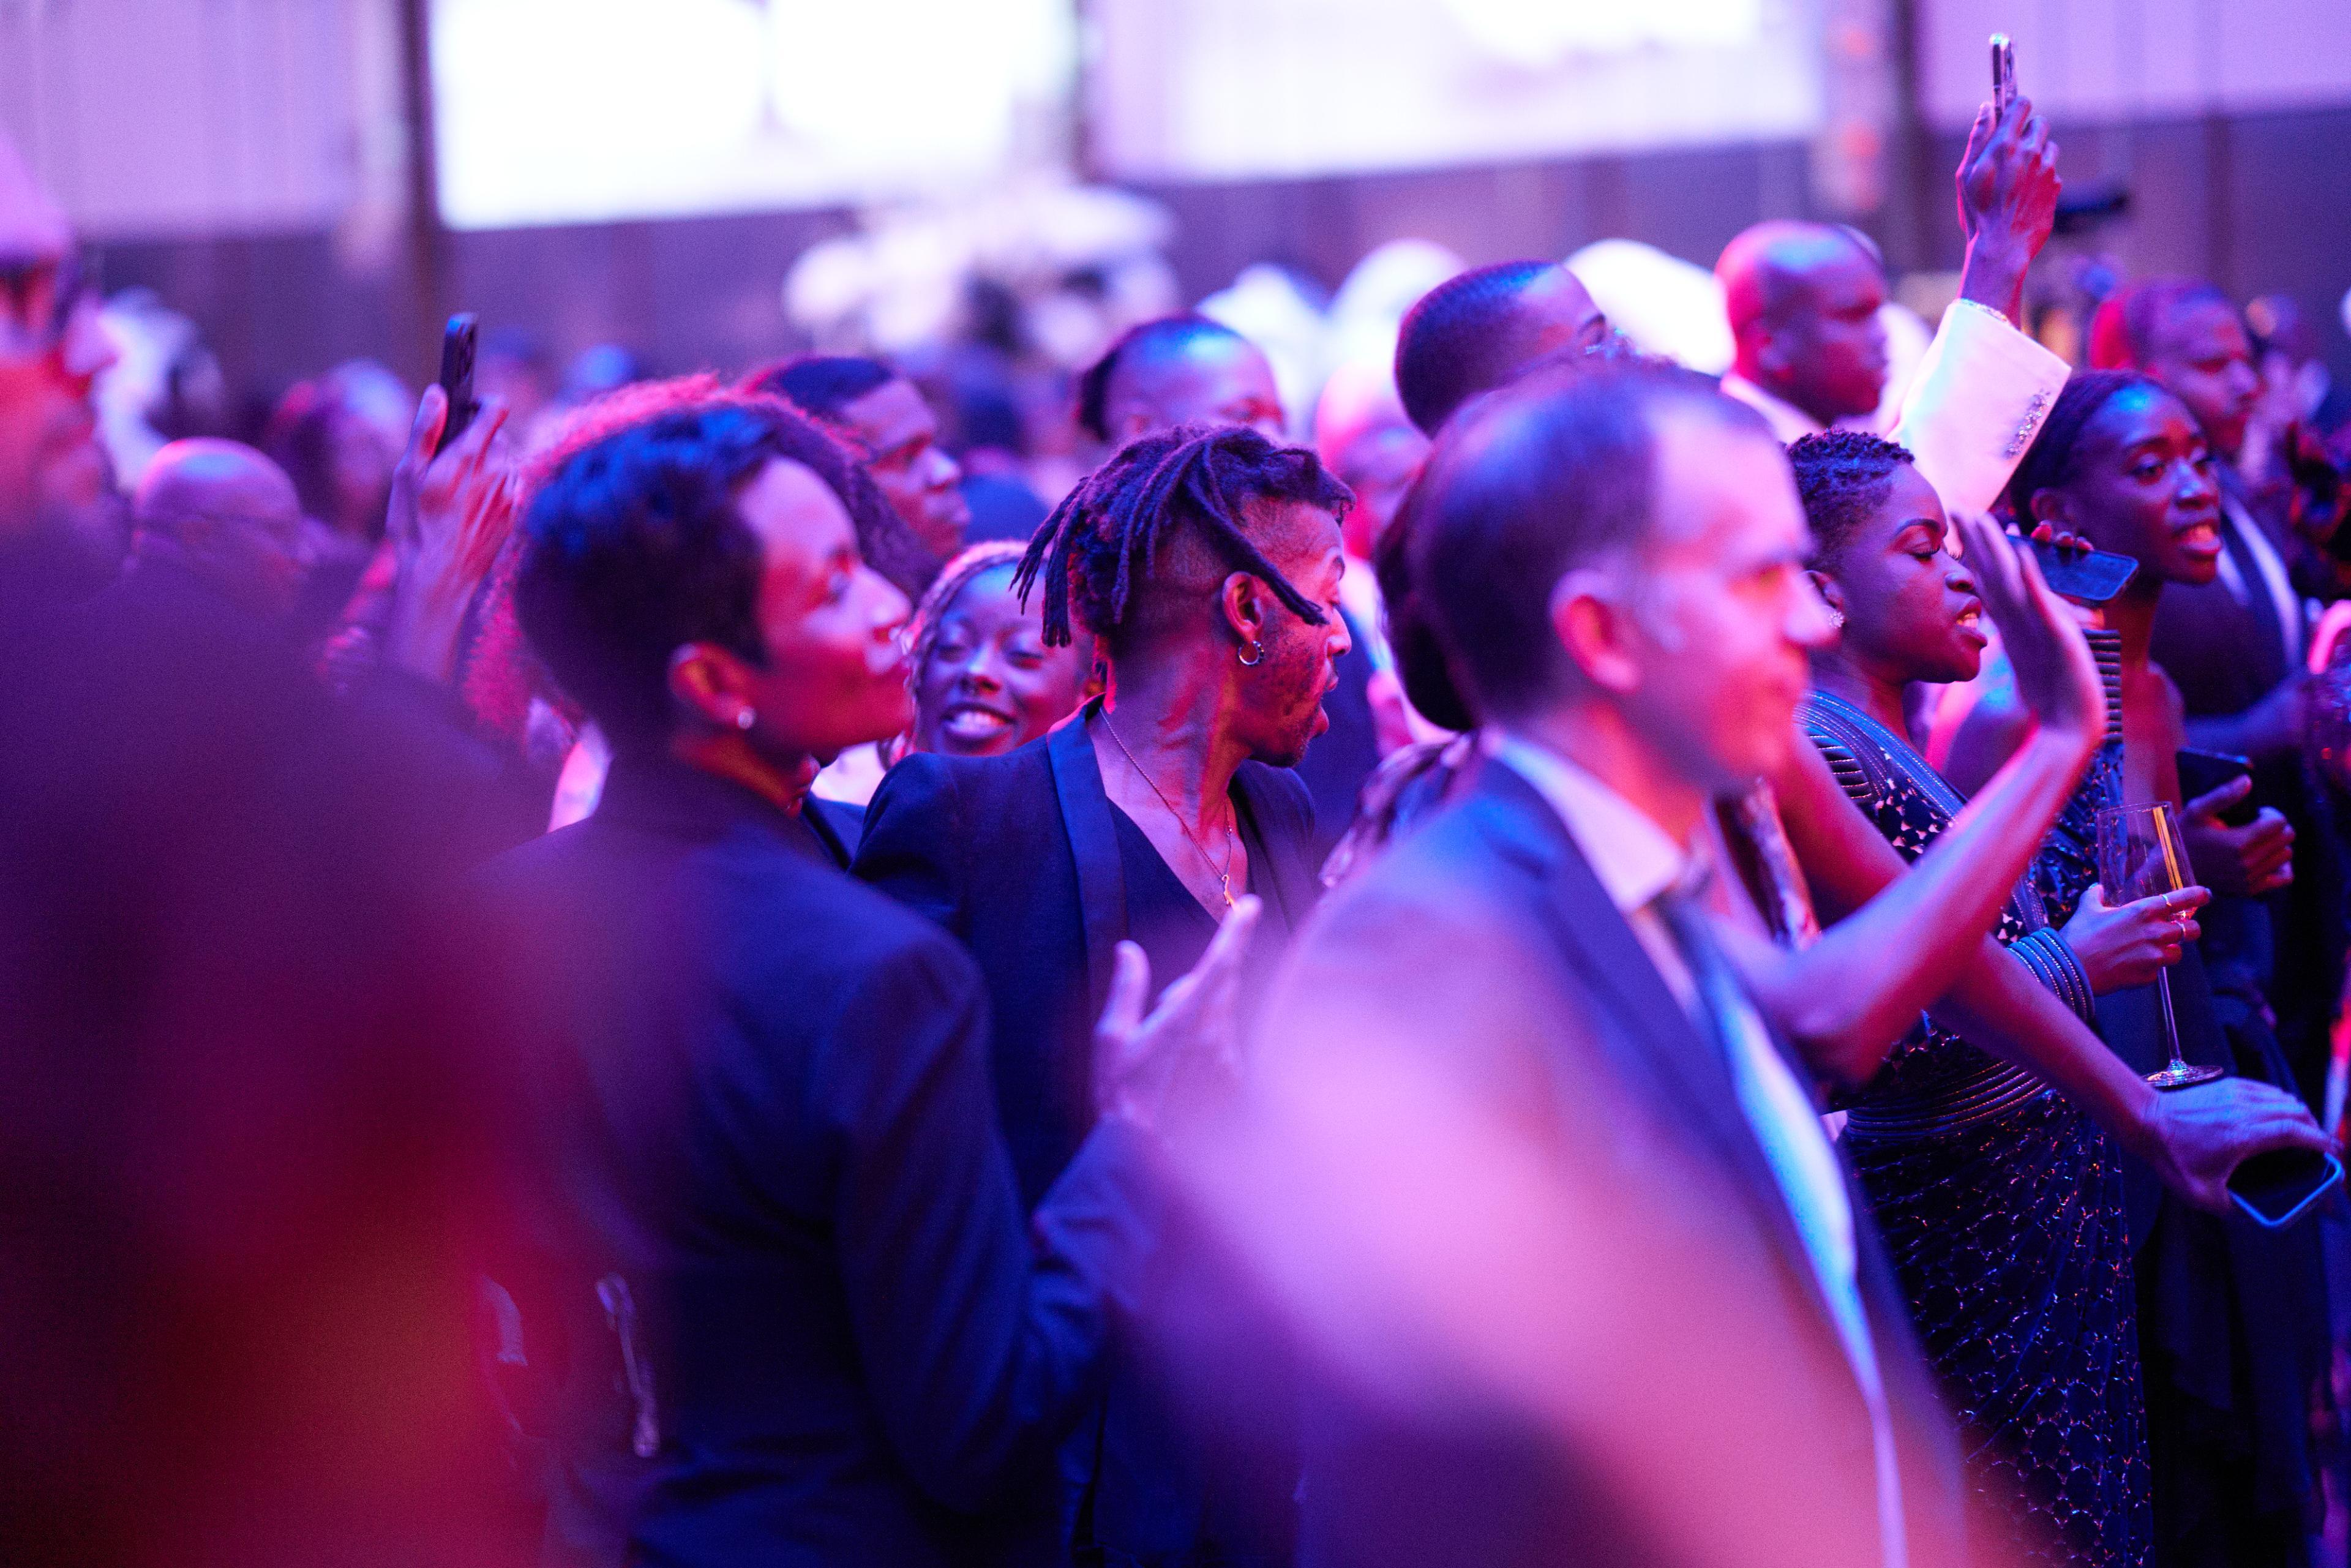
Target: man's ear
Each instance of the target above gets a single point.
(1832, 592)
(1247, 604)
(711, 683)
(1596, 630)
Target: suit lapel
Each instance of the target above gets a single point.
(1688, 1066)
(1094, 848)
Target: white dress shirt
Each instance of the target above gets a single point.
(1638, 863)
(1977, 402)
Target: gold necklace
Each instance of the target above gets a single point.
(1225, 871)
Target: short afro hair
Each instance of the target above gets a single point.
(633, 547)
(1844, 477)
(822, 385)
(1454, 343)
(1161, 335)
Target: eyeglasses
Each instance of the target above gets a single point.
(41, 295)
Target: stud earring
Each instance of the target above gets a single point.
(744, 718)
(1836, 618)
(1254, 647)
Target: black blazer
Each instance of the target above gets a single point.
(1546, 1000)
(1017, 855)
(764, 1134)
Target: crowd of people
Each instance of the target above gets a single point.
(711, 970)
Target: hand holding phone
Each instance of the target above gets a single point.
(457, 345)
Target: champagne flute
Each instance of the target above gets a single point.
(2141, 855)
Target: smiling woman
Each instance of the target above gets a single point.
(985, 679)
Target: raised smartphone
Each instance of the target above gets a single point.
(457, 340)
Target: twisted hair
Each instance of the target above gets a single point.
(1195, 479)
(2049, 463)
(1842, 477)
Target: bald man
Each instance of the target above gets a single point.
(226, 517)
(1804, 302)
(1178, 369)
(61, 525)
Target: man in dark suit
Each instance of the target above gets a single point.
(1190, 369)
(2236, 649)
(1614, 562)
(786, 1303)
(1205, 561)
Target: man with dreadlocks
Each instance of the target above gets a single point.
(1205, 561)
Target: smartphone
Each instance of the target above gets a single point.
(457, 342)
(2003, 73)
(2201, 772)
(2281, 1185)
(2086, 576)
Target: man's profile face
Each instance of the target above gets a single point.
(904, 457)
(2200, 355)
(1828, 346)
(1725, 612)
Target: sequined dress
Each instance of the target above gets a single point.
(2001, 1204)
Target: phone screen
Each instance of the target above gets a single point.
(2276, 1186)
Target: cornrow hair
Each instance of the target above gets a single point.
(1158, 334)
(1842, 476)
(2049, 462)
(1108, 531)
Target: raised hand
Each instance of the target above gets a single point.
(449, 516)
(1147, 1067)
(2008, 188)
(2247, 862)
(2056, 678)
(2127, 945)
(2200, 1135)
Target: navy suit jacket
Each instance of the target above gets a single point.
(1545, 997)
(1017, 855)
(768, 1159)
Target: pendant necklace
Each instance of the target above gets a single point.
(1225, 871)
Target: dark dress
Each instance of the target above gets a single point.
(2002, 1206)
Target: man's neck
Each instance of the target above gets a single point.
(1170, 721)
(1595, 736)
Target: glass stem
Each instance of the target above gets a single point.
(2170, 1028)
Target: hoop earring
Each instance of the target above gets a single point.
(1243, 653)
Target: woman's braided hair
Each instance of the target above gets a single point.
(1104, 537)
